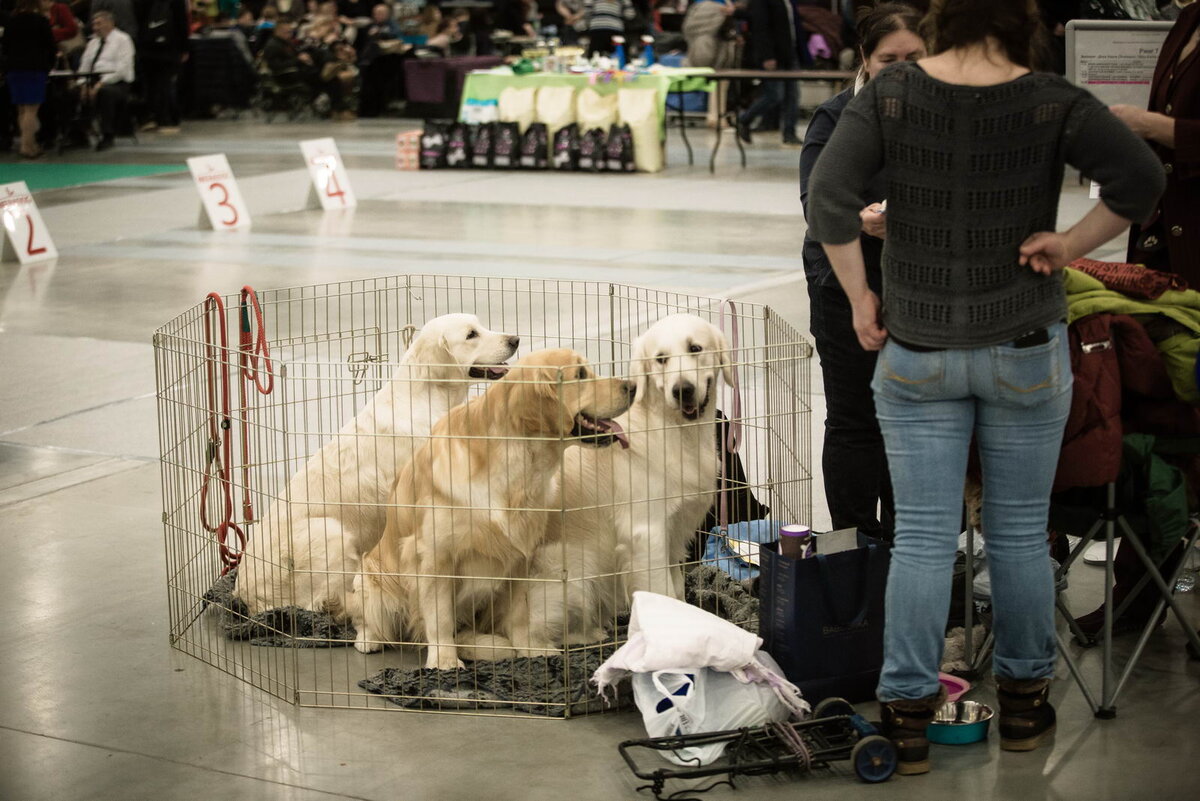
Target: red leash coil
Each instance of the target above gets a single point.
(220, 422)
(251, 347)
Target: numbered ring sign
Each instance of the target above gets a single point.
(25, 232)
(331, 184)
(219, 192)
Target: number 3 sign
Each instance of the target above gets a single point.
(23, 225)
(330, 181)
(219, 192)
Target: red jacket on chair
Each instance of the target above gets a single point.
(1115, 365)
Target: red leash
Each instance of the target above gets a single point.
(220, 445)
(251, 347)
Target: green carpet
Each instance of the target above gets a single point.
(56, 176)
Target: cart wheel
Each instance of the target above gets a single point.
(874, 759)
(828, 707)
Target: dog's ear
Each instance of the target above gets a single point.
(640, 364)
(722, 345)
(534, 404)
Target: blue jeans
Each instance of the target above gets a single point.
(776, 93)
(1015, 401)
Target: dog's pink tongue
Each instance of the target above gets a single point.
(615, 429)
(499, 371)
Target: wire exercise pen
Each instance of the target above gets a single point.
(238, 421)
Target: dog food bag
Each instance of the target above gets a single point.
(592, 150)
(638, 109)
(481, 145)
(458, 152)
(431, 148)
(535, 147)
(594, 110)
(505, 145)
(517, 105)
(566, 148)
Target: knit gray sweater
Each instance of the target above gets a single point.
(971, 171)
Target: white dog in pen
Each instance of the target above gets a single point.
(332, 513)
(630, 512)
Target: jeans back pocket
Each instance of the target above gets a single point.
(909, 375)
(1032, 376)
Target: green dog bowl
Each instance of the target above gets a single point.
(959, 723)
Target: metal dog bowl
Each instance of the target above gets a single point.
(959, 723)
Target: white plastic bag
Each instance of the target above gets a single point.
(702, 701)
(516, 105)
(594, 110)
(638, 108)
(555, 106)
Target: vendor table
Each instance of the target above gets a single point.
(488, 84)
(835, 77)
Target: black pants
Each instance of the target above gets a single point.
(162, 89)
(855, 465)
(111, 98)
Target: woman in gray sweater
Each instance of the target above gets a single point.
(970, 328)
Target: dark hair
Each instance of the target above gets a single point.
(876, 22)
(1015, 24)
(28, 7)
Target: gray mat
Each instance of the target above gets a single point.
(282, 627)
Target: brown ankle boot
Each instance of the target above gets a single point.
(904, 723)
(1027, 719)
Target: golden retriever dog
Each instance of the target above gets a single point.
(470, 509)
(332, 512)
(630, 513)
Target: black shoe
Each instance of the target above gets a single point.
(105, 143)
(743, 132)
(1027, 719)
(791, 141)
(904, 723)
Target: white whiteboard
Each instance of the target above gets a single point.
(1114, 59)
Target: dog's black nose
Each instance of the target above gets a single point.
(514, 341)
(631, 390)
(684, 392)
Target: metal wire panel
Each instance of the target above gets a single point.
(333, 348)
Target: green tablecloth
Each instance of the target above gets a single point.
(488, 84)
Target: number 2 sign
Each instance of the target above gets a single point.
(330, 181)
(219, 192)
(23, 226)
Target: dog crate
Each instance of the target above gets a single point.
(250, 387)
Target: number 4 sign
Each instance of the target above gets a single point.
(219, 192)
(26, 233)
(330, 181)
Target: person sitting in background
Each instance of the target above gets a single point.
(447, 35)
(122, 13)
(64, 26)
(109, 52)
(428, 20)
(339, 75)
(382, 27)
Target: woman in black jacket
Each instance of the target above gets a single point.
(29, 53)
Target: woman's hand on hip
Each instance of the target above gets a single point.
(1045, 252)
(867, 324)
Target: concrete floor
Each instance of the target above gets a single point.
(94, 704)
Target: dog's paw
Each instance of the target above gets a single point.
(443, 659)
(365, 645)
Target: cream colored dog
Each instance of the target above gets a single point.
(470, 509)
(333, 511)
(631, 512)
